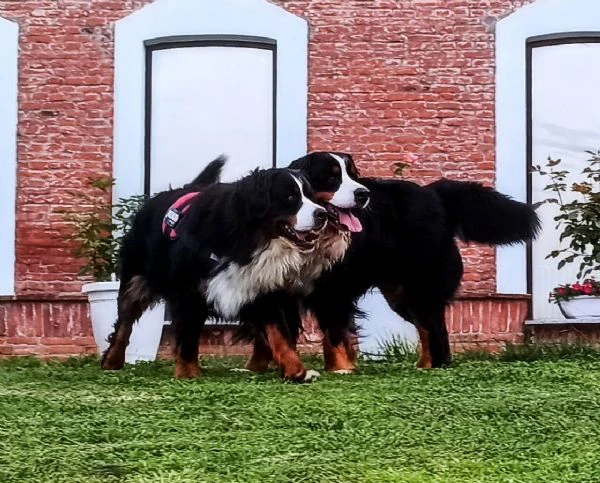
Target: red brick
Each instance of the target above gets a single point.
(385, 83)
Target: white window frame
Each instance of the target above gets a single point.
(543, 17)
(168, 19)
(9, 85)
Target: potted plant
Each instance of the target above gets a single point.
(97, 233)
(578, 222)
(578, 300)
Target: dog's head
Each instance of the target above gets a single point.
(278, 202)
(333, 177)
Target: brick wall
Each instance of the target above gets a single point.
(52, 326)
(388, 80)
(486, 322)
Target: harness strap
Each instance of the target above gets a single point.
(175, 214)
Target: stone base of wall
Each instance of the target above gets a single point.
(588, 334)
(60, 327)
(48, 326)
(486, 322)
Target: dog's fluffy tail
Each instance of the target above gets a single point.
(209, 175)
(481, 214)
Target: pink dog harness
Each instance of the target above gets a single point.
(176, 212)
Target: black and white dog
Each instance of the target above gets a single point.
(407, 249)
(242, 250)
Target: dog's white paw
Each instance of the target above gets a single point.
(239, 369)
(311, 376)
(344, 371)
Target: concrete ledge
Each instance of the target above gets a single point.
(45, 297)
(563, 321)
(491, 296)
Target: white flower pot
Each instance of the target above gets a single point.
(582, 306)
(146, 334)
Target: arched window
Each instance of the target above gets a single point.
(176, 107)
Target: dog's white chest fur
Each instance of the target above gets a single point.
(281, 265)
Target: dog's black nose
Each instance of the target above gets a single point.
(362, 196)
(320, 216)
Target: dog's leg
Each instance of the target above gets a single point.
(134, 298)
(339, 355)
(286, 357)
(189, 314)
(435, 344)
(397, 302)
(336, 321)
(439, 342)
(274, 323)
(261, 356)
(424, 361)
(293, 368)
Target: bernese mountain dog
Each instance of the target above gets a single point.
(406, 247)
(238, 251)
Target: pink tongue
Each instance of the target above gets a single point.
(350, 221)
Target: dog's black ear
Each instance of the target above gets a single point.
(307, 187)
(297, 173)
(353, 171)
(302, 164)
(254, 193)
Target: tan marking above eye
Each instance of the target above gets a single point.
(336, 169)
(323, 195)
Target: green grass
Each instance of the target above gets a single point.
(533, 419)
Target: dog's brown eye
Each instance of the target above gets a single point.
(291, 198)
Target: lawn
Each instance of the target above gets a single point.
(484, 420)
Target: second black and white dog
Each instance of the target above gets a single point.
(407, 249)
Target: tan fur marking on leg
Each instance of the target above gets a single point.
(284, 356)
(114, 358)
(337, 358)
(424, 361)
(261, 357)
(186, 369)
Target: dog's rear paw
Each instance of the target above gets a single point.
(343, 371)
(311, 376)
(112, 360)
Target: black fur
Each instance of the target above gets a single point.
(407, 249)
(211, 174)
(228, 220)
(481, 214)
(319, 168)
